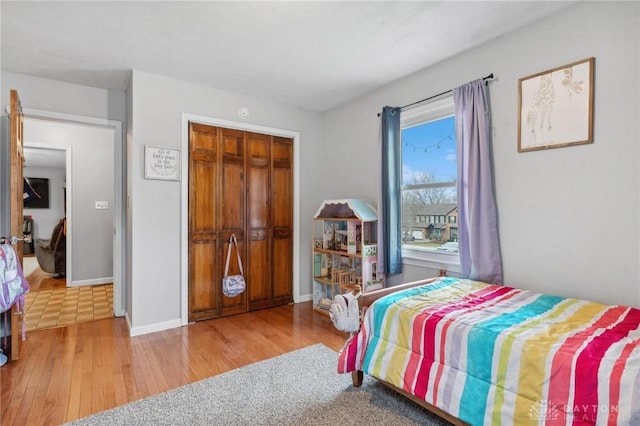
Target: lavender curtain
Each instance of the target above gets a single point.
(477, 215)
(389, 222)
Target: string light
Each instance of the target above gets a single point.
(426, 148)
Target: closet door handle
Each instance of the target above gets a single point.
(259, 235)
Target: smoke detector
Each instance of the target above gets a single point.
(243, 112)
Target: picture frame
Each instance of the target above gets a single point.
(36, 193)
(161, 163)
(555, 107)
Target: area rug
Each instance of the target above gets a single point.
(297, 388)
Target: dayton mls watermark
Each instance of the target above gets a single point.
(545, 410)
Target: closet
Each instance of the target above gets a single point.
(239, 183)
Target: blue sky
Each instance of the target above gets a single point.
(431, 148)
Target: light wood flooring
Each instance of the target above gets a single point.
(71, 372)
(40, 280)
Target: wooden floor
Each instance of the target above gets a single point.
(67, 373)
(40, 280)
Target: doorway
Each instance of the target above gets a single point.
(51, 301)
(93, 195)
(46, 259)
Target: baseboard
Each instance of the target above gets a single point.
(94, 281)
(305, 298)
(152, 328)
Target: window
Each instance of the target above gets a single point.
(429, 163)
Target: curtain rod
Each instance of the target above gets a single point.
(489, 77)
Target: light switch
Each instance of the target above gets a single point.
(102, 205)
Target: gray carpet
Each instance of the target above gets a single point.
(298, 388)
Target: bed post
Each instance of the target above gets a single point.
(356, 378)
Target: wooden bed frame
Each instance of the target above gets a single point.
(357, 376)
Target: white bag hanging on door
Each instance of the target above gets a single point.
(233, 285)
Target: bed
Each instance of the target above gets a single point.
(478, 353)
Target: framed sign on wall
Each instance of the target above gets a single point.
(161, 163)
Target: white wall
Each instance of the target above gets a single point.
(154, 212)
(569, 217)
(50, 95)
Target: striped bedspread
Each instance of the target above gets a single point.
(495, 355)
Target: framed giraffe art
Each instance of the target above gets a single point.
(556, 107)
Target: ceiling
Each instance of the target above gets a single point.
(314, 54)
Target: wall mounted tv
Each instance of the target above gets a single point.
(36, 193)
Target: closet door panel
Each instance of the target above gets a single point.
(204, 295)
(282, 195)
(203, 196)
(282, 268)
(282, 213)
(259, 271)
(232, 200)
(259, 220)
(259, 187)
(203, 137)
(232, 143)
(232, 211)
(259, 198)
(203, 269)
(203, 169)
(232, 185)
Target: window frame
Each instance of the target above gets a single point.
(417, 256)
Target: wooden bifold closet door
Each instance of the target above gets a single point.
(239, 183)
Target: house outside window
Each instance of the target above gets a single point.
(429, 191)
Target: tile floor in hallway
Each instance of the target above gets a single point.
(69, 305)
